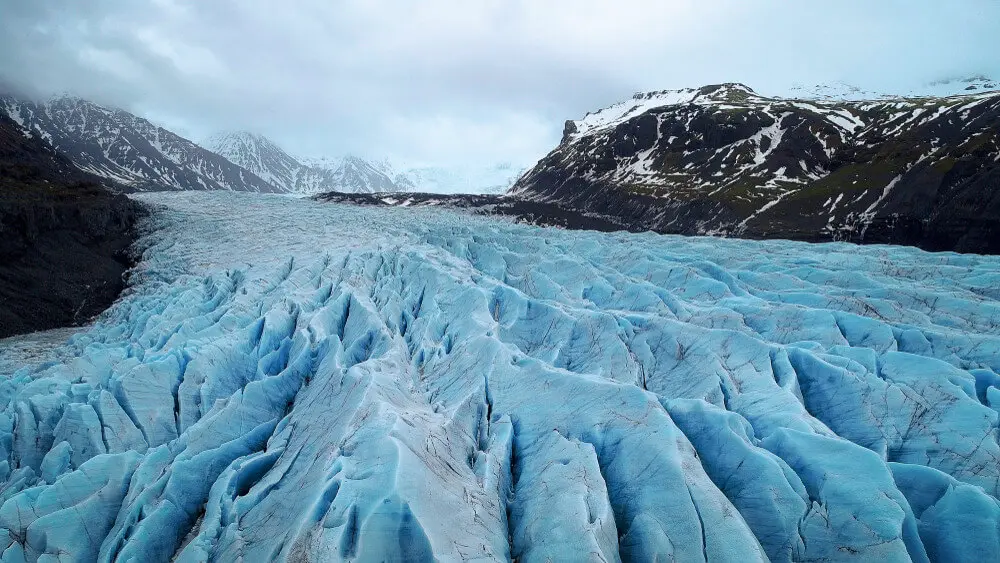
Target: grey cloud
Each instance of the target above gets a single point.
(450, 80)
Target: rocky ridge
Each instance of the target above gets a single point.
(725, 160)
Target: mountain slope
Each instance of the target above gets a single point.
(352, 174)
(939, 88)
(64, 239)
(121, 147)
(258, 155)
(264, 158)
(725, 160)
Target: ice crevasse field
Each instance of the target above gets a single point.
(290, 380)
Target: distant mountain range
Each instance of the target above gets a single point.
(131, 154)
(495, 179)
(827, 163)
(264, 158)
(352, 174)
(938, 88)
(725, 160)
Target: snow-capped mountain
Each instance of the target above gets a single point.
(495, 179)
(352, 174)
(121, 147)
(259, 155)
(725, 160)
(265, 158)
(939, 88)
(406, 177)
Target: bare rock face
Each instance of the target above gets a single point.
(723, 160)
(64, 238)
(568, 131)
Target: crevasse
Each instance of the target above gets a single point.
(291, 380)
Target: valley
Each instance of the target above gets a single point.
(710, 325)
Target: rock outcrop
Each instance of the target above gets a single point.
(64, 238)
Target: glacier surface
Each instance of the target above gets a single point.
(294, 381)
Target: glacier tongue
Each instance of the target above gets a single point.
(291, 380)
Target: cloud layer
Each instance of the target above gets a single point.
(447, 81)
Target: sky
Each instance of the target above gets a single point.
(463, 82)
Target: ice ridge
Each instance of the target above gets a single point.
(289, 380)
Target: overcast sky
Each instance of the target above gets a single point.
(475, 81)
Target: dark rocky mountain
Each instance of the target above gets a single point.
(267, 160)
(724, 160)
(64, 238)
(128, 150)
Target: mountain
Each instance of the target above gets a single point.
(353, 174)
(129, 150)
(953, 86)
(133, 154)
(64, 238)
(495, 179)
(725, 160)
(264, 158)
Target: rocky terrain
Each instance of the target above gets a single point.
(724, 160)
(64, 238)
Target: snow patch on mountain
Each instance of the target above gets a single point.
(938, 88)
(352, 174)
(733, 96)
(452, 179)
(299, 176)
(644, 101)
(724, 159)
(259, 155)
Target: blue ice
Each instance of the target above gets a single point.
(288, 380)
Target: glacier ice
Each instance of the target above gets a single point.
(291, 380)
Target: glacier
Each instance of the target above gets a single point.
(288, 380)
